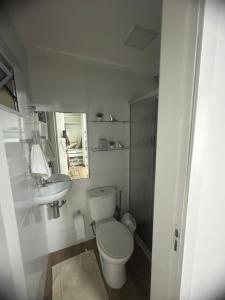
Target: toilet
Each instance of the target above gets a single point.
(114, 240)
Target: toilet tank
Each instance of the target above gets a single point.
(102, 203)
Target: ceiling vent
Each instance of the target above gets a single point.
(140, 37)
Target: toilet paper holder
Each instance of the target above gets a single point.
(79, 225)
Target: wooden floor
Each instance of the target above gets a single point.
(138, 272)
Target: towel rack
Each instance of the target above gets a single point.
(26, 141)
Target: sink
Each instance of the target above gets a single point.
(55, 189)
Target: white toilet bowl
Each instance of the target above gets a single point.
(115, 244)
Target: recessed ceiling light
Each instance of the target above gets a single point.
(140, 37)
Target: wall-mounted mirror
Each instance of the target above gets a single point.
(68, 142)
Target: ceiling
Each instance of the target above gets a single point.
(91, 30)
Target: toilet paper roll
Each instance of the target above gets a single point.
(78, 220)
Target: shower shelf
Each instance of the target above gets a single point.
(108, 149)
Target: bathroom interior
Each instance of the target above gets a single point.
(79, 108)
(79, 98)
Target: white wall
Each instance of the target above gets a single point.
(10, 285)
(6, 280)
(204, 260)
(23, 221)
(62, 85)
(177, 70)
(23, 244)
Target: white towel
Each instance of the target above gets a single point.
(39, 163)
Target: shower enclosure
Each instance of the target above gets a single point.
(143, 133)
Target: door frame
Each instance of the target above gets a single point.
(171, 204)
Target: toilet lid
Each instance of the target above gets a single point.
(115, 239)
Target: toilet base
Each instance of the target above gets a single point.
(114, 274)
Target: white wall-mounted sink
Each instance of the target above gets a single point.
(55, 190)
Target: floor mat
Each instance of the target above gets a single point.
(78, 278)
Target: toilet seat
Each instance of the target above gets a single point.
(114, 239)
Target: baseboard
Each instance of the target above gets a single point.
(142, 245)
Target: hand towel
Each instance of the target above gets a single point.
(39, 164)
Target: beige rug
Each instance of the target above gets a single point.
(78, 278)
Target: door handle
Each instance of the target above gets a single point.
(176, 239)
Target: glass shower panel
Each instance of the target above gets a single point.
(143, 117)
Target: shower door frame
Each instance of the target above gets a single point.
(152, 96)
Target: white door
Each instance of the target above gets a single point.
(60, 126)
(179, 36)
(84, 138)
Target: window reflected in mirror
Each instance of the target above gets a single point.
(8, 96)
(67, 134)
